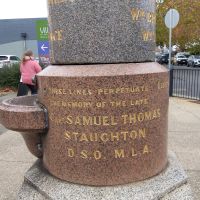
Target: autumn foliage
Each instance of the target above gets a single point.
(187, 32)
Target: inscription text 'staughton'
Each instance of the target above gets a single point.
(106, 137)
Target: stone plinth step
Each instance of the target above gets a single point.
(171, 184)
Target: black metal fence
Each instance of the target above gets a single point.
(185, 83)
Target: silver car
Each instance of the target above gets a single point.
(194, 61)
(6, 60)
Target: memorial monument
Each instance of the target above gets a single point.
(100, 117)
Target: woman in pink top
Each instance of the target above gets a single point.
(29, 68)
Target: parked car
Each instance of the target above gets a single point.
(157, 55)
(180, 59)
(6, 60)
(163, 58)
(194, 61)
(186, 54)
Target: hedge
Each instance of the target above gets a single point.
(10, 76)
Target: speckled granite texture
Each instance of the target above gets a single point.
(107, 123)
(108, 31)
(171, 184)
(23, 114)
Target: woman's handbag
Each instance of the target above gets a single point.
(22, 89)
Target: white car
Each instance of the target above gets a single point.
(6, 60)
(194, 61)
(180, 59)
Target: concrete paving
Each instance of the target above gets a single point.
(2, 97)
(184, 140)
(8, 96)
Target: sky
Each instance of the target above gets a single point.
(12, 9)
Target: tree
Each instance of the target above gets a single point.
(188, 30)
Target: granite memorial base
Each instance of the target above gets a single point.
(99, 121)
(171, 184)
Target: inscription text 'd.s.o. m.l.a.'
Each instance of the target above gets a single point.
(118, 153)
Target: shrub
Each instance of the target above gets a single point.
(195, 50)
(10, 76)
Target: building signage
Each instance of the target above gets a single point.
(42, 30)
(42, 41)
(43, 47)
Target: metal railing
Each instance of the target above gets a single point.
(185, 83)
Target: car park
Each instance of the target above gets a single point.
(180, 59)
(194, 61)
(7, 60)
(157, 56)
(163, 58)
(186, 54)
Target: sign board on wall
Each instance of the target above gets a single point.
(43, 47)
(43, 43)
(42, 30)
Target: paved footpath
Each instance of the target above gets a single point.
(184, 140)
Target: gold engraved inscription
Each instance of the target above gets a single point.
(121, 153)
(100, 91)
(97, 155)
(149, 17)
(116, 153)
(163, 85)
(103, 135)
(132, 118)
(118, 103)
(148, 35)
(122, 90)
(56, 35)
(63, 91)
(101, 104)
(139, 14)
(68, 104)
(141, 116)
(54, 2)
(107, 136)
(139, 102)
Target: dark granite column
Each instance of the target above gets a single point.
(108, 31)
